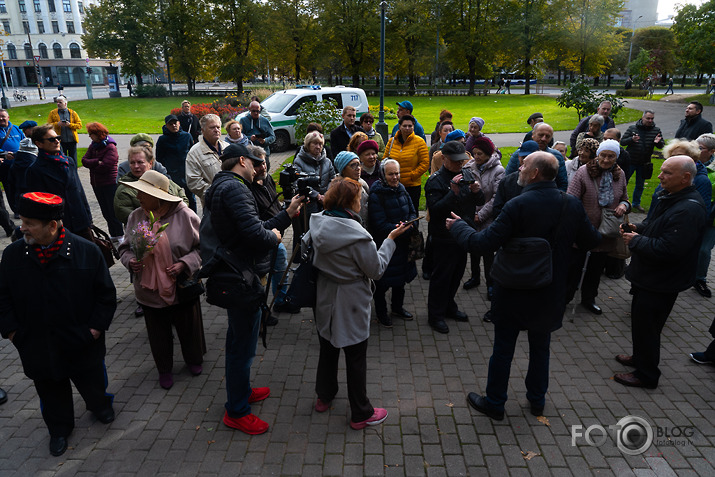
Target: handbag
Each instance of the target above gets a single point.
(525, 263)
(621, 250)
(303, 287)
(102, 240)
(648, 170)
(189, 287)
(610, 224)
(416, 247)
(229, 285)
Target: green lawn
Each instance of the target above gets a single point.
(501, 113)
(119, 115)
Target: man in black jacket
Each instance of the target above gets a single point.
(56, 302)
(541, 210)
(340, 136)
(235, 221)
(639, 140)
(693, 125)
(172, 147)
(447, 192)
(664, 256)
(604, 109)
(189, 121)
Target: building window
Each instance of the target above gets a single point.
(40, 27)
(21, 4)
(80, 7)
(43, 51)
(37, 5)
(28, 52)
(6, 26)
(66, 6)
(26, 27)
(75, 51)
(70, 27)
(57, 50)
(51, 5)
(2, 7)
(11, 52)
(55, 27)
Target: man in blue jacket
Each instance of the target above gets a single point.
(541, 210)
(663, 262)
(258, 129)
(403, 108)
(10, 137)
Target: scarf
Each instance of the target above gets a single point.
(62, 160)
(605, 187)
(154, 276)
(46, 253)
(344, 213)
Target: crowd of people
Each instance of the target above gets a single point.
(363, 225)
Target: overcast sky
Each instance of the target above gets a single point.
(667, 7)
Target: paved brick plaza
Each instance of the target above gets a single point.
(421, 377)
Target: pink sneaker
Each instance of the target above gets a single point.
(321, 406)
(259, 394)
(378, 417)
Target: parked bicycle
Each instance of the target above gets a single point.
(20, 95)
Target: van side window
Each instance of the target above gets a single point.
(337, 97)
(293, 111)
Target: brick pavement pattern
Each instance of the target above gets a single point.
(419, 376)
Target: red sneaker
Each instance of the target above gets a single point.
(378, 417)
(259, 394)
(249, 424)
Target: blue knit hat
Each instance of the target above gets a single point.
(453, 136)
(343, 159)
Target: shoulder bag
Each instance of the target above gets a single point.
(525, 263)
(303, 287)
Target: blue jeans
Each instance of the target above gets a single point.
(701, 273)
(241, 340)
(278, 269)
(537, 377)
(640, 181)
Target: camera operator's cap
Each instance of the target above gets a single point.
(455, 151)
(154, 184)
(170, 118)
(406, 104)
(238, 150)
(41, 205)
(343, 159)
(534, 116)
(527, 148)
(27, 124)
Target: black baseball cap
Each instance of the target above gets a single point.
(238, 150)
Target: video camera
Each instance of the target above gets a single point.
(293, 181)
(467, 176)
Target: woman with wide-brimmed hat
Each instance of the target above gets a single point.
(161, 248)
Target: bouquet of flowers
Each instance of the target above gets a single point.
(144, 238)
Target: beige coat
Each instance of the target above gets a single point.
(202, 164)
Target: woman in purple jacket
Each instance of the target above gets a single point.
(101, 159)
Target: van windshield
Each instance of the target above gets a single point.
(277, 102)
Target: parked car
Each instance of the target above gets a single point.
(283, 108)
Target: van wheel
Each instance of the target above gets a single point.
(282, 141)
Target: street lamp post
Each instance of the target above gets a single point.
(5, 100)
(381, 126)
(630, 50)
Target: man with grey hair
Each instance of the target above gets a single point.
(258, 129)
(664, 257)
(604, 109)
(202, 162)
(543, 134)
(542, 211)
(639, 140)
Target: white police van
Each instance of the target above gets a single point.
(283, 107)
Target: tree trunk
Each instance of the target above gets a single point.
(558, 76)
(682, 82)
(140, 80)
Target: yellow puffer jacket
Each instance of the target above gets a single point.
(75, 123)
(413, 157)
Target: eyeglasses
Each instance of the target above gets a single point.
(53, 139)
(257, 163)
(354, 166)
(255, 110)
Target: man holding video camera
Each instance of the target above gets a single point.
(450, 189)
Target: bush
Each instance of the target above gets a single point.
(580, 96)
(632, 93)
(325, 112)
(389, 112)
(150, 91)
(234, 100)
(224, 111)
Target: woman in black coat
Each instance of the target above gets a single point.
(390, 204)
